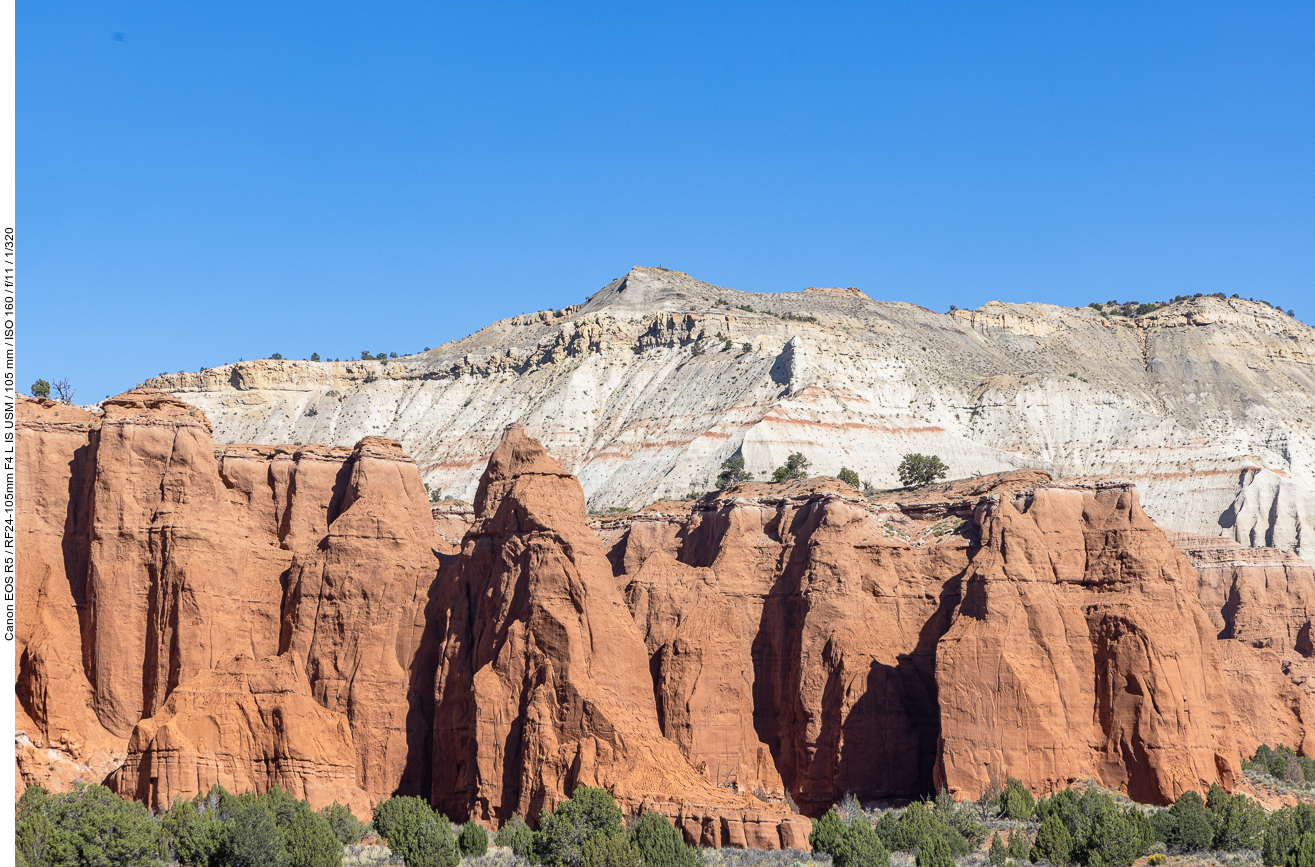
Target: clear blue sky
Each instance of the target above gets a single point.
(199, 182)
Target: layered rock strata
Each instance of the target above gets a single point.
(1207, 404)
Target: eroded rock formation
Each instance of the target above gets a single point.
(545, 682)
(1259, 601)
(302, 616)
(175, 588)
(647, 387)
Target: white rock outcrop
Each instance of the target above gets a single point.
(1207, 404)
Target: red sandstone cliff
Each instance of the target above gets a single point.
(259, 615)
(1260, 602)
(544, 682)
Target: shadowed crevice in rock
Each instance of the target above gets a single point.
(776, 638)
(545, 682)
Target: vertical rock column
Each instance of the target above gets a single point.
(544, 682)
(355, 617)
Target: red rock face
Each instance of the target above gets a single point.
(544, 683)
(253, 616)
(1079, 649)
(897, 648)
(355, 617)
(245, 725)
(816, 619)
(159, 570)
(1260, 601)
(66, 740)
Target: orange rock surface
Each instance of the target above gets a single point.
(1079, 649)
(544, 683)
(1260, 601)
(302, 616)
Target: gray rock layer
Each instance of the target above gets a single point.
(1208, 405)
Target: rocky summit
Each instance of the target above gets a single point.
(1207, 404)
(194, 613)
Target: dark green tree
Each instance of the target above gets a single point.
(934, 851)
(1115, 838)
(998, 854)
(434, 845)
(417, 833)
(193, 832)
(41, 388)
(1285, 828)
(1053, 842)
(87, 826)
(733, 472)
(1193, 826)
(849, 477)
(659, 843)
(1141, 823)
(281, 803)
(473, 841)
(346, 827)
(796, 467)
(611, 849)
(516, 836)
(1239, 822)
(1302, 854)
(253, 838)
(1019, 845)
(827, 832)
(314, 356)
(309, 841)
(859, 846)
(916, 470)
(1016, 802)
(563, 832)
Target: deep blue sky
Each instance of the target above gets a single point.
(199, 182)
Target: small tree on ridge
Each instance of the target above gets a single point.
(917, 470)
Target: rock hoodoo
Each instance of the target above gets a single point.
(545, 681)
(260, 615)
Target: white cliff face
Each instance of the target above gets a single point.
(1208, 405)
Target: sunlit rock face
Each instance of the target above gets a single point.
(1208, 405)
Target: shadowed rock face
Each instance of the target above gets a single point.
(544, 683)
(253, 616)
(889, 649)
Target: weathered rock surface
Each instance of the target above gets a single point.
(1079, 648)
(355, 616)
(246, 725)
(61, 737)
(544, 683)
(303, 616)
(1001, 626)
(1207, 404)
(154, 561)
(1260, 602)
